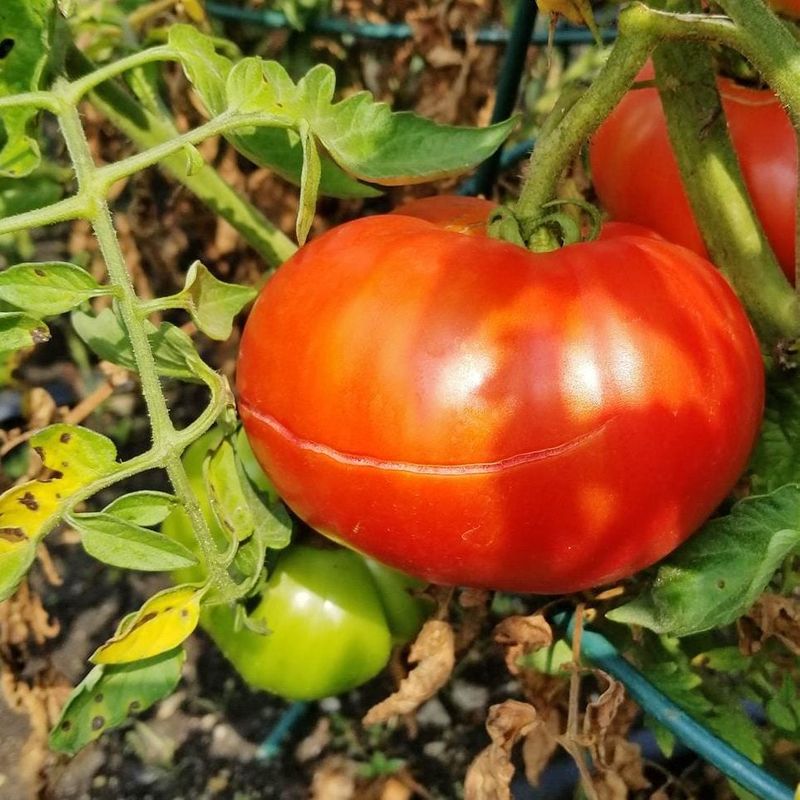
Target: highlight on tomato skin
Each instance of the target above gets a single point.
(635, 133)
(475, 414)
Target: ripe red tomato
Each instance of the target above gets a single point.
(476, 414)
(637, 178)
(789, 8)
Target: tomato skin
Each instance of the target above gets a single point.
(333, 615)
(327, 628)
(638, 180)
(789, 8)
(475, 414)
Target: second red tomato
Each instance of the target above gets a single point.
(637, 177)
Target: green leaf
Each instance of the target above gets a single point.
(47, 288)
(122, 544)
(276, 148)
(19, 330)
(162, 623)
(226, 495)
(213, 304)
(76, 457)
(142, 508)
(783, 709)
(776, 458)
(309, 183)
(112, 693)
(36, 191)
(719, 573)
(722, 659)
(27, 25)
(173, 350)
(373, 143)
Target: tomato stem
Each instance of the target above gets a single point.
(562, 141)
(716, 189)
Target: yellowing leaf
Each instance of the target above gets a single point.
(162, 623)
(75, 457)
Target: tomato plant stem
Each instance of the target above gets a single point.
(555, 151)
(165, 442)
(716, 189)
(148, 129)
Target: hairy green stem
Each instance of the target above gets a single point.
(224, 123)
(716, 189)
(556, 151)
(76, 207)
(43, 100)
(90, 81)
(146, 129)
(165, 438)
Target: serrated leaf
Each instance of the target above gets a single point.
(161, 624)
(143, 508)
(173, 350)
(18, 330)
(719, 573)
(76, 457)
(112, 693)
(309, 183)
(213, 304)
(374, 143)
(127, 546)
(276, 148)
(25, 29)
(47, 288)
(246, 90)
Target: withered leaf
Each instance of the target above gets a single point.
(540, 744)
(521, 636)
(434, 654)
(623, 772)
(489, 776)
(778, 617)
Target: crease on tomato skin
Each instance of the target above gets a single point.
(477, 468)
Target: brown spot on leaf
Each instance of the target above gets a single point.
(145, 619)
(39, 272)
(98, 698)
(64, 438)
(40, 335)
(6, 46)
(134, 706)
(98, 722)
(12, 534)
(29, 501)
(66, 725)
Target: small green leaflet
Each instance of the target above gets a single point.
(144, 508)
(212, 303)
(276, 148)
(36, 191)
(18, 330)
(719, 573)
(48, 288)
(365, 138)
(27, 25)
(309, 183)
(110, 694)
(173, 350)
(123, 544)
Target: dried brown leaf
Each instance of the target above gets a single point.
(334, 779)
(489, 776)
(623, 772)
(521, 636)
(315, 743)
(434, 654)
(600, 715)
(778, 617)
(475, 603)
(540, 744)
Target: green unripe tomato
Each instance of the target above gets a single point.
(328, 631)
(332, 614)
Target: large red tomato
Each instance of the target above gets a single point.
(638, 180)
(476, 414)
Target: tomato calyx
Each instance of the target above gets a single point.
(548, 231)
